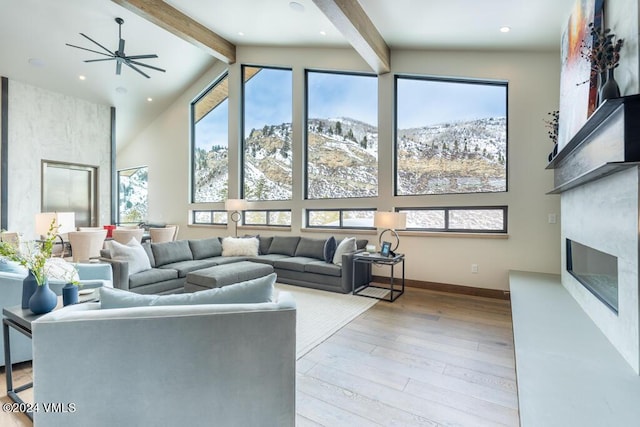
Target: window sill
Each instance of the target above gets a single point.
(265, 227)
(339, 230)
(454, 234)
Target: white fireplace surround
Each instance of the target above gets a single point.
(598, 176)
(603, 214)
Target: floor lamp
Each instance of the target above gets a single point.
(390, 222)
(235, 206)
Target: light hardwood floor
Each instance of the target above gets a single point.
(428, 359)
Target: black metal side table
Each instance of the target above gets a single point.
(377, 259)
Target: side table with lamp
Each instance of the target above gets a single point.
(389, 222)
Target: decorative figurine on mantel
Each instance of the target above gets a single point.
(602, 50)
(552, 126)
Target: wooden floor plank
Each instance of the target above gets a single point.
(428, 359)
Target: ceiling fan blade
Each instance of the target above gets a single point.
(99, 60)
(119, 68)
(121, 47)
(136, 69)
(144, 65)
(89, 50)
(93, 41)
(141, 56)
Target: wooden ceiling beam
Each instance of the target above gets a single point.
(352, 21)
(179, 24)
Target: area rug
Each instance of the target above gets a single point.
(320, 314)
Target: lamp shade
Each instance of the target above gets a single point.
(235, 205)
(390, 220)
(64, 222)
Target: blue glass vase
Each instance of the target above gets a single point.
(29, 285)
(43, 299)
(69, 294)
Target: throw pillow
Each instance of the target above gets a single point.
(249, 292)
(238, 246)
(61, 270)
(329, 249)
(347, 245)
(133, 253)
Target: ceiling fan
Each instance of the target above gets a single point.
(119, 56)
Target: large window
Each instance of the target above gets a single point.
(451, 136)
(491, 219)
(267, 107)
(342, 135)
(132, 195)
(210, 169)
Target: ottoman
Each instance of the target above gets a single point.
(225, 274)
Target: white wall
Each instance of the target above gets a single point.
(45, 125)
(533, 78)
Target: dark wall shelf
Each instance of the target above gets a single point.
(609, 141)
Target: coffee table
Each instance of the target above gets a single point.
(20, 320)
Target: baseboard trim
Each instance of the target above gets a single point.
(453, 289)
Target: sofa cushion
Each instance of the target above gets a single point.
(7, 266)
(265, 242)
(133, 253)
(347, 245)
(205, 248)
(285, 245)
(312, 248)
(249, 292)
(329, 249)
(147, 249)
(321, 267)
(185, 267)
(267, 259)
(153, 275)
(168, 252)
(293, 263)
(234, 246)
(223, 275)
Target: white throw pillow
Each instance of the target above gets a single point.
(347, 245)
(61, 270)
(133, 253)
(234, 246)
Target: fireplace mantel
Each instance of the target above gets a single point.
(609, 141)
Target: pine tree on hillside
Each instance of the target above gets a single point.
(338, 128)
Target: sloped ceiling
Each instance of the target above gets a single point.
(38, 30)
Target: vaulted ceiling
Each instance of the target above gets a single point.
(33, 34)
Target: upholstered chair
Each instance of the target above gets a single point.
(11, 237)
(124, 235)
(86, 244)
(162, 234)
(175, 234)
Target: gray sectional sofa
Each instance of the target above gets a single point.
(296, 260)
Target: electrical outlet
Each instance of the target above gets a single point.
(474, 268)
(552, 218)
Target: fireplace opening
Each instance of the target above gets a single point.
(595, 270)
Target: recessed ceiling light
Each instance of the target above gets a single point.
(323, 33)
(149, 99)
(240, 33)
(81, 77)
(121, 90)
(295, 6)
(505, 29)
(36, 62)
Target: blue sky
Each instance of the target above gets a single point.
(268, 100)
(429, 102)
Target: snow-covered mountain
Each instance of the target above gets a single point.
(342, 160)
